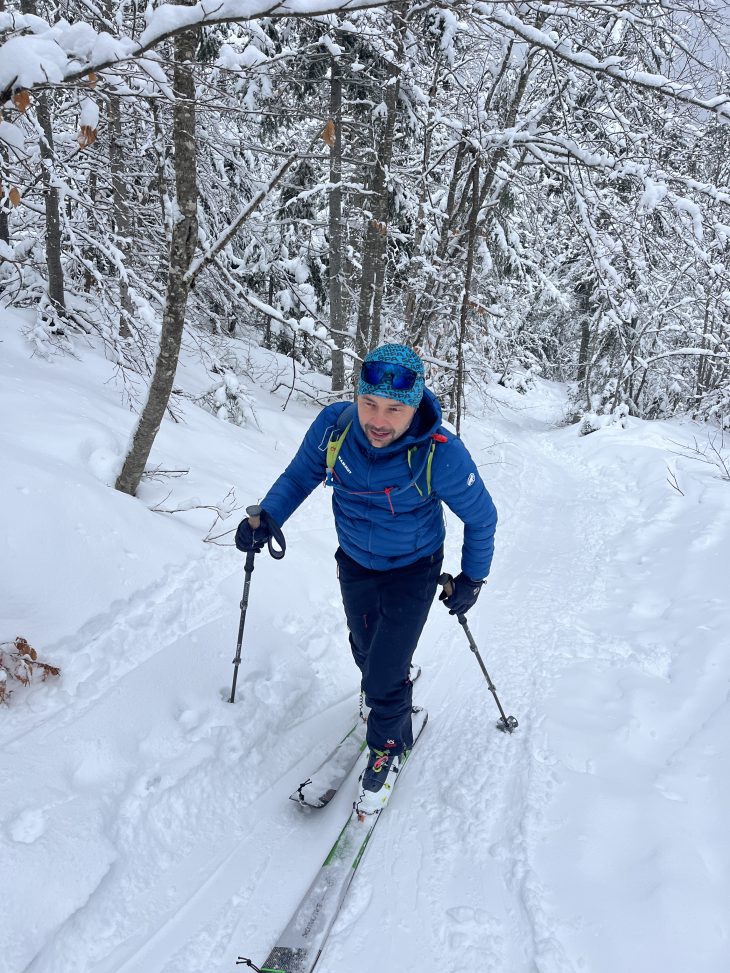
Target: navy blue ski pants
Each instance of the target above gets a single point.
(386, 612)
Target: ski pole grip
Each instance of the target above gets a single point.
(254, 516)
(447, 583)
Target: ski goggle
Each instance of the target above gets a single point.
(399, 377)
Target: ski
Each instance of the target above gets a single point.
(301, 944)
(319, 788)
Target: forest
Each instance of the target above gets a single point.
(515, 189)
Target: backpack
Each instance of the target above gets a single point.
(339, 433)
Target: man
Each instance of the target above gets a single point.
(390, 464)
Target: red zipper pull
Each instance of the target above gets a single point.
(390, 504)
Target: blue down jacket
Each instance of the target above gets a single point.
(382, 520)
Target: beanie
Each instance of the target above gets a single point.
(395, 355)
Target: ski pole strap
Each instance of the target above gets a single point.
(278, 536)
(255, 515)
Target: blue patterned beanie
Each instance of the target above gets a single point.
(396, 355)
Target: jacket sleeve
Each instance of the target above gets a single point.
(306, 470)
(457, 482)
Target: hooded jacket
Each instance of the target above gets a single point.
(381, 518)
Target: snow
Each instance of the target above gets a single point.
(235, 60)
(564, 49)
(31, 60)
(145, 825)
(654, 193)
(12, 136)
(684, 205)
(64, 51)
(89, 115)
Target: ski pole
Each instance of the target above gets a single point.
(507, 723)
(254, 518)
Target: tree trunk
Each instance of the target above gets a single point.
(4, 184)
(376, 235)
(89, 252)
(703, 368)
(4, 176)
(437, 286)
(412, 286)
(50, 195)
(56, 293)
(267, 319)
(466, 296)
(337, 318)
(182, 249)
(120, 209)
(585, 343)
(120, 206)
(583, 291)
(427, 303)
(159, 149)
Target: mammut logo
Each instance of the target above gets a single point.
(325, 439)
(340, 460)
(470, 479)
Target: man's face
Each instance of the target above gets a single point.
(383, 420)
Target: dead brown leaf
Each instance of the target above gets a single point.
(328, 133)
(21, 100)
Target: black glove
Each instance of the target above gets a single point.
(463, 596)
(248, 539)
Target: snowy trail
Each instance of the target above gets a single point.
(155, 816)
(493, 856)
(192, 808)
(145, 624)
(480, 796)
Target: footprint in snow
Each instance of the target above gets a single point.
(28, 826)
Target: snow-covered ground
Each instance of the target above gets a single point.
(144, 821)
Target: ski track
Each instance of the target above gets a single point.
(483, 793)
(118, 641)
(167, 885)
(477, 818)
(456, 875)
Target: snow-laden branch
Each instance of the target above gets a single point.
(683, 353)
(64, 52)
(209, 255)
(306, 326)
(611, 66)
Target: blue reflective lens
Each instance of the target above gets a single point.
(399, 377)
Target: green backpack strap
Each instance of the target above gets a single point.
(427, 466)
(336, 440)
(428, 463)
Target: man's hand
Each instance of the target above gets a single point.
(463, 596)
(253, 539)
